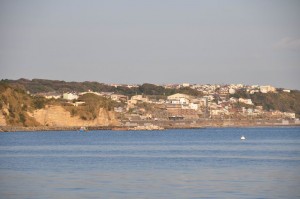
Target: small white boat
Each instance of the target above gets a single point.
(243, 138)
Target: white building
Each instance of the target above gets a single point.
(179, 98)
(267, 89)
(51, 95)
(70, 96)
(253, 91)
(289, 115)
(132, 102)
(231, 91)
(193, 106)
(246, 101)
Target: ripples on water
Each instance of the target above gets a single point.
(203, 163)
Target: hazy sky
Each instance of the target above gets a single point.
(154, 41)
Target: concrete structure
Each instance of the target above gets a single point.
(289, 115)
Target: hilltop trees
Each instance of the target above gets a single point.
(92, 104)
(15, 104)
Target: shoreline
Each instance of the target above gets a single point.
(124, 128)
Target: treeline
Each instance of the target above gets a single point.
(43, 86)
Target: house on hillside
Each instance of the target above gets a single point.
(70, 96)
(118, 98)
(267, 89)
(140, 98)
(246, 101)
(50, 95)
(179, 98)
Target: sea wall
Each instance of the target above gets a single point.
(198, 123)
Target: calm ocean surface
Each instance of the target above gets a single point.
(200, 163)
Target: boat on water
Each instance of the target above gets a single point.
(243, 137)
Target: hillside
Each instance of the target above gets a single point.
(281, 101)
(93, 105)
(17, 108)
(15, 104)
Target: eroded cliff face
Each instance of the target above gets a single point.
(2, 120)
(58, 116)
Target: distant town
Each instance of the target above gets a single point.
(196, 106)
(182, 106)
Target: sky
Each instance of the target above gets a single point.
(158, 41)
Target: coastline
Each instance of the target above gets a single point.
(138, 128)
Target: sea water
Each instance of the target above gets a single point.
(197, 163)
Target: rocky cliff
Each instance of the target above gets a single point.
(58, 116)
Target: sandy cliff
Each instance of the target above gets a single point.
(58, 116)
(2, 120)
